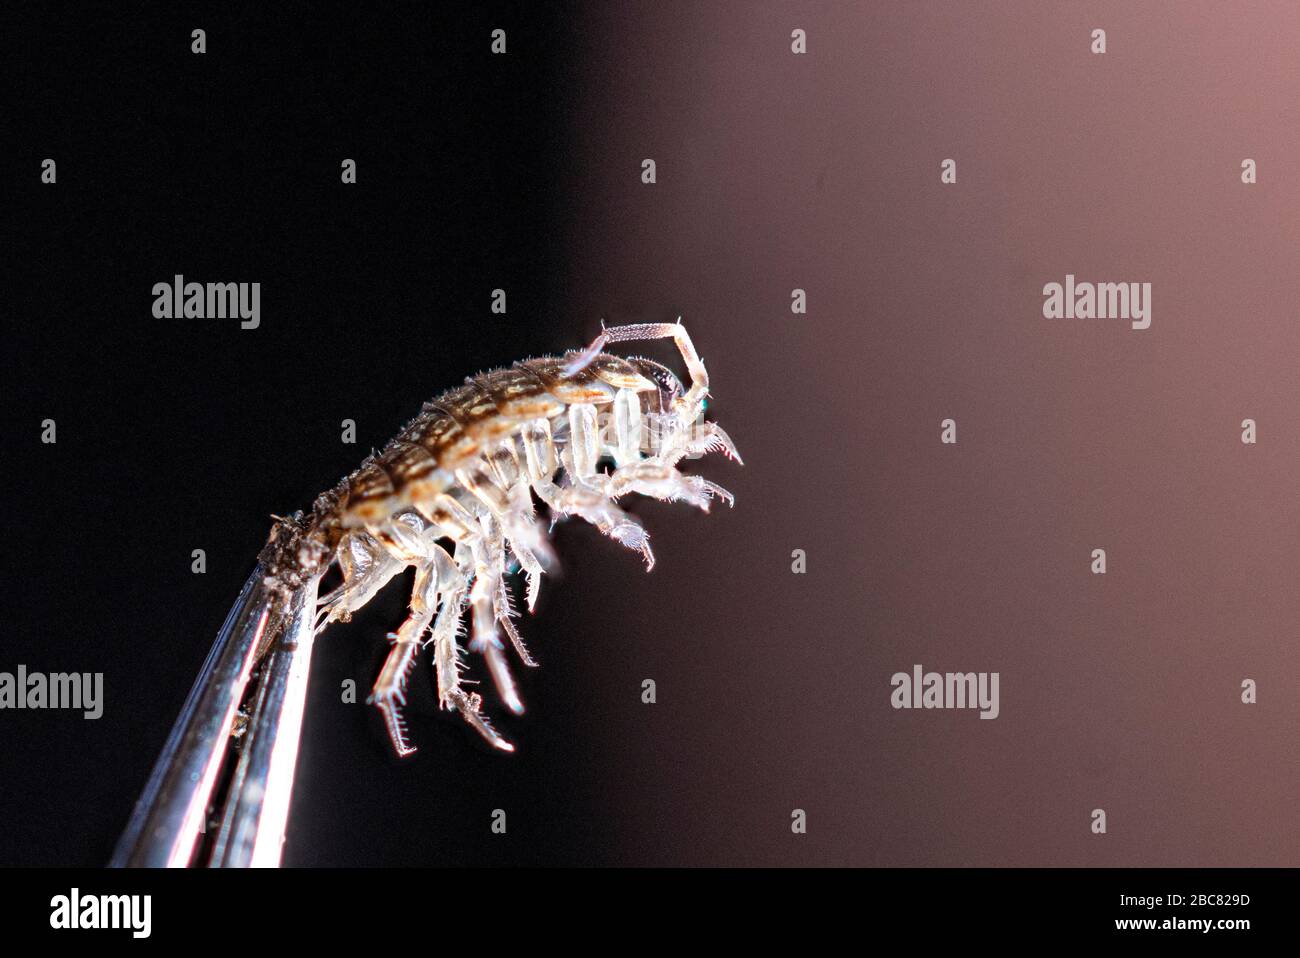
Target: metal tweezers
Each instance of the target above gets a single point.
(218, 796)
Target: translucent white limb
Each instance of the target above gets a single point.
(367, 567)
(661, 481)
(494, 550)
(484, 637)
(447, 656)
(627, 427)
(504, 616)
(389, 693)
(453, 518)
(476, 479)
(585, 499)
(539, 450)
(503, 463)
(584, 444)
(528, 540)
(512, 507)
(588, 500)
(446, 627)
(543, 462)
(708, 437)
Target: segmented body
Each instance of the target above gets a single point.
(453, 495)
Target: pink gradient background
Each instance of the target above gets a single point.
(821, 171)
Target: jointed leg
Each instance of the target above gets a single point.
(494, 551)
(665, 482)
(512, 507)
(708, 437)
(583, 449)
(389, 693)
(367, 567)
(589, 501)
(626, 448)
(582, 499)
(528, 540)
(485, 640)
(447, 657)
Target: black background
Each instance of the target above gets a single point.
(182, 434)
(337, 907)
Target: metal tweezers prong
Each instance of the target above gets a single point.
(208, 775)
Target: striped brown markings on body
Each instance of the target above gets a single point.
(369, 491)
(618, 372)
(582, 387)
(411, 466)
(407, 461)
(441, 431)
(521, 395)
(462, 422)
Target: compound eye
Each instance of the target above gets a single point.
(665, 380)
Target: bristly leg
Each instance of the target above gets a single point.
(447, 656)
(389, 693)
(486, 640)
(505, 615)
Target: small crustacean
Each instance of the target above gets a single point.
(452, 495)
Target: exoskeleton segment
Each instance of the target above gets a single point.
(455, 496)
